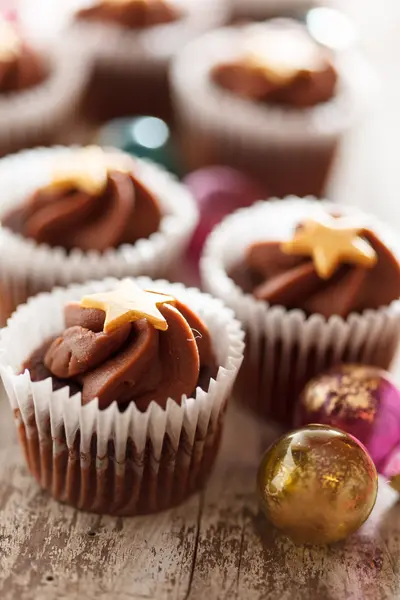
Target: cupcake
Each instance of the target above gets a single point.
(258, 10)
(267, 99)
(39, 93)
(119, 393)
(314, 285)
(74, 214)
(131, 43)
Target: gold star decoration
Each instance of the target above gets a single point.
(87, 169)
(129, 303)
(10, 42)
(331, 242)
(282, 52)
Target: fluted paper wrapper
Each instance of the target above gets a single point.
(41, 114)
(27, 268)
(107, 461)
(286, 348)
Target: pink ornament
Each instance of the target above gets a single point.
(219, 191)
(391, 468)
(360, 400)
(8, 11)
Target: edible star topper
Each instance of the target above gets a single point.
(87, 169)
(331, 242)
(282, 52)
(10, 42)
(129, 303)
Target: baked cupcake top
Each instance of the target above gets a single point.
(93, 201)
(330, 266)
(280, 63)
(20, 67)
(132, 14)
(127, 345)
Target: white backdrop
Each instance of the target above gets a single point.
(369, 171)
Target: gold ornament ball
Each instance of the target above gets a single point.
(317, 484)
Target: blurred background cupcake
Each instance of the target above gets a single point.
(267, 99)
(132, 42)
(40, 90)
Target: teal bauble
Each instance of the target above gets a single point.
(143, 136)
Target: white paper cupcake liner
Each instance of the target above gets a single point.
(149, 48)
(285, 348)
(108, 461)
(27, 268)
(40, 114)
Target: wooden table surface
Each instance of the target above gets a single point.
(217, 545)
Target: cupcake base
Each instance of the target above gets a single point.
(140, 484)
(300, 169)
(39, 138)
(118, 92)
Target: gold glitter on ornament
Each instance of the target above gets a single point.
(343, 395)
(394, 482)
(317, 485)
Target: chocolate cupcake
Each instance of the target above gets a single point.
(124, 391)
(312, 291)
(267, 99)
(39, 92)
(74, 214)
(129, 74)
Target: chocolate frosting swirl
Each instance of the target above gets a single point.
(72, 218)
(135, 363)
(293, 282)
(131, 14)
(305, 89)
(24, 71)
(298, 85)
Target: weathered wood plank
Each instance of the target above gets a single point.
(240, 556)
(148, 557)
(226, 504)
